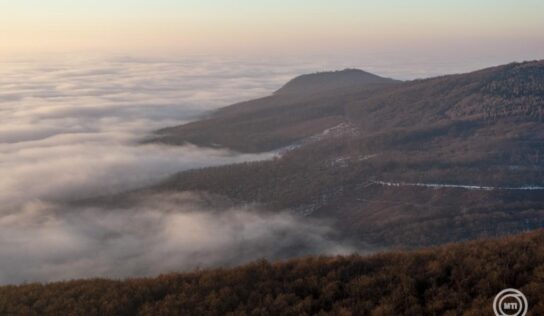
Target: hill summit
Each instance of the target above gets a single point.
(331, 80)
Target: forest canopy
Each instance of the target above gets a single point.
(447, 280)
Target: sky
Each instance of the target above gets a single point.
(502, 30)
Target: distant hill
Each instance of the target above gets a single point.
(410, 164)
(374, 104)
(332, 80)
(305, 106)
(449, 280)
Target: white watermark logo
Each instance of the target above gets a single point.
(510, 302)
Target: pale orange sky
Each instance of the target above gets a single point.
(282, 27)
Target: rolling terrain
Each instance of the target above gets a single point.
(302, 108)
(389, 165)
(473, 142)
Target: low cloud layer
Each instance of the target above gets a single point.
(71, 130)
(157, 234)
(83, 167)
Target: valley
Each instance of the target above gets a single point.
(395, 164)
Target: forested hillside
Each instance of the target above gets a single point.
(373, 104)
(303, 107)
(474, 150)
(449, 280)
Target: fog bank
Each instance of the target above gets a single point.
(71, 130)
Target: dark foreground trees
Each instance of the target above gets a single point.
(458, 279)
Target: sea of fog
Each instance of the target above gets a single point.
(71, 129)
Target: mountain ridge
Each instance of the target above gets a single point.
(458, 130)
(279, 120)
(270, 122)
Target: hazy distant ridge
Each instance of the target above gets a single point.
(330, 80)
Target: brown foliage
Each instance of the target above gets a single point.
(449, 280)
(481, 128)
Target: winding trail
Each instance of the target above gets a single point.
(457, 186)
